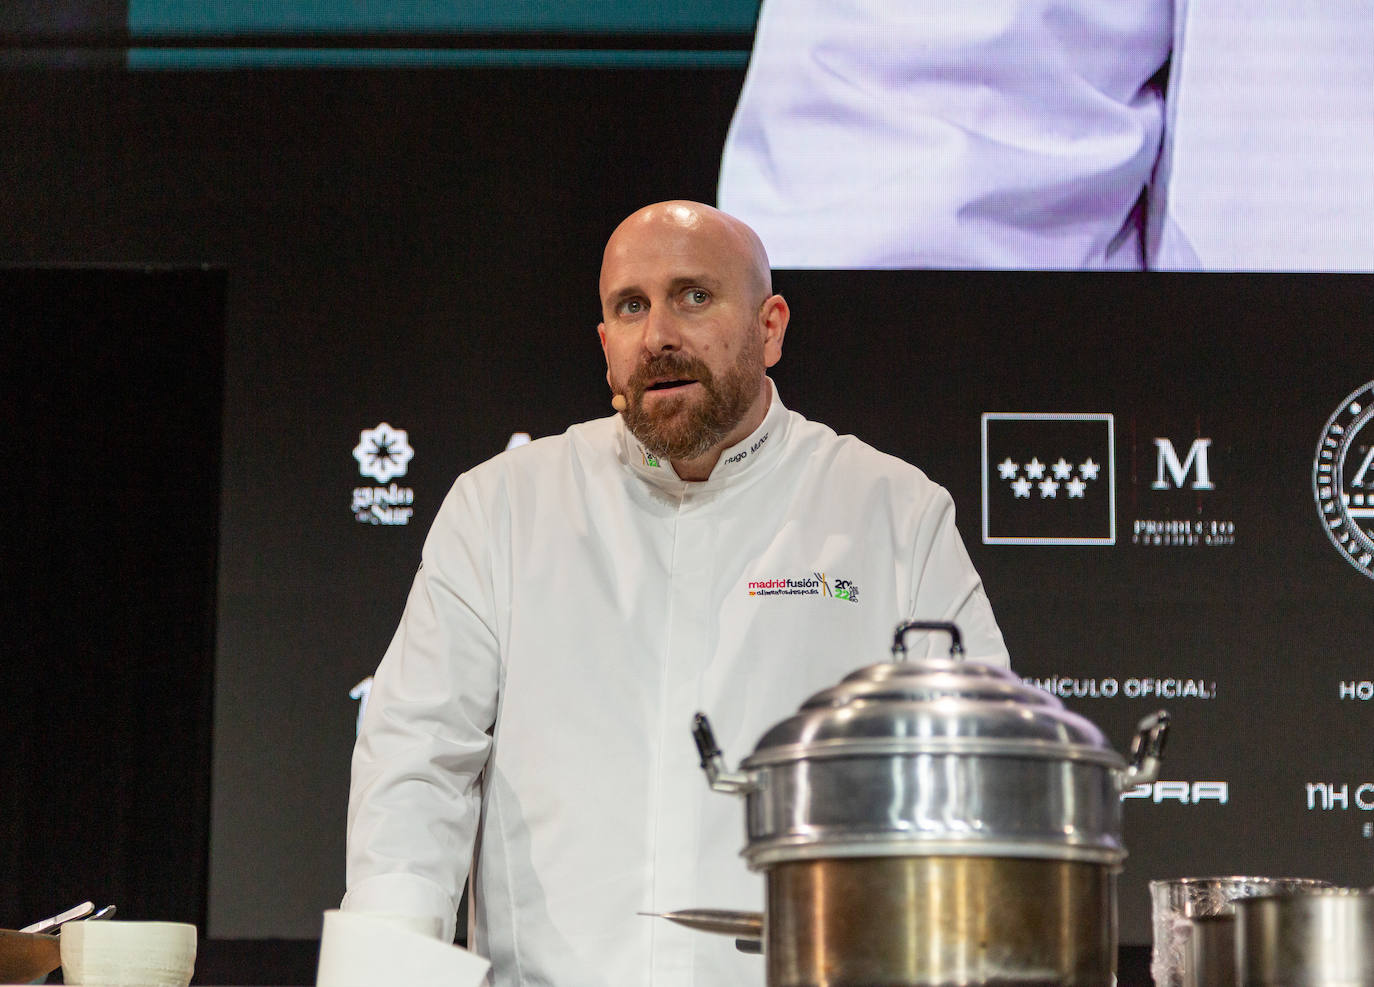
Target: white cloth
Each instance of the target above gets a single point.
(1268, 160)
(925, 133)
(1022, 134)
(576, 604)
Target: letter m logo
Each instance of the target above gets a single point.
(1196, 463)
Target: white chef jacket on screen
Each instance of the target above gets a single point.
(1023, 133)
(575, 606)
(1268, 157)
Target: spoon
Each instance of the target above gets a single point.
(47, 924)
(54, 925)
(105, 912)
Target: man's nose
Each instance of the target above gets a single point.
(662, 333)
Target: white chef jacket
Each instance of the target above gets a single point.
(576, 604)
(1022, 134)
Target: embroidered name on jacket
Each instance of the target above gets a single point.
(744, 454)
(816, 584)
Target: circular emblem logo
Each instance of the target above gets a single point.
(1343, 479)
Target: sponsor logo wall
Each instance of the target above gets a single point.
(1166, 483)
(1172, 506)
(1181, 491)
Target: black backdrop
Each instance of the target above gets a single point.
(421, 248)
(112, 401)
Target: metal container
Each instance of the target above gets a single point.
(1180, 907)
(936, 822)
(1212, 952)
(1322, 938)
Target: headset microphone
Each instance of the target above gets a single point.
(619, 403)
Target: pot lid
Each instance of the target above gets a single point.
(933, 706)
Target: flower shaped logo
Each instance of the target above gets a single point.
(383, 452)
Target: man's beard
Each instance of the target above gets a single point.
(679, 428)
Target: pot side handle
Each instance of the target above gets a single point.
(1147, 751)
(720, 780)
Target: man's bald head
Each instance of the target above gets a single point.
(690, 327)
(738, 247)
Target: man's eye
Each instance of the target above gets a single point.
(631, 306)
(696, 296)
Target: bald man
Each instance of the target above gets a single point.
(579, 598)
(690, 325)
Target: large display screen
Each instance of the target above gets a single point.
(1028, 134)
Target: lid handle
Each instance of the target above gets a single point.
(956, 640)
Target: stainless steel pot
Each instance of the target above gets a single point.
(936, 822)
(1317, 938)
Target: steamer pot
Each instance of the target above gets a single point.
(936, 822)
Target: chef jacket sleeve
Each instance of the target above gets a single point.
(946, 587)
(923, 133)
(415, 797)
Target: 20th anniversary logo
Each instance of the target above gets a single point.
(1343, 479)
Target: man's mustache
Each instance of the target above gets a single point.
(669, 365)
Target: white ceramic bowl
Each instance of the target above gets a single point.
(128, 954)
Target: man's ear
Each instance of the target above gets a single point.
(601, 335)
(773, 317)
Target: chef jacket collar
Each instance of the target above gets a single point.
(743, 460)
